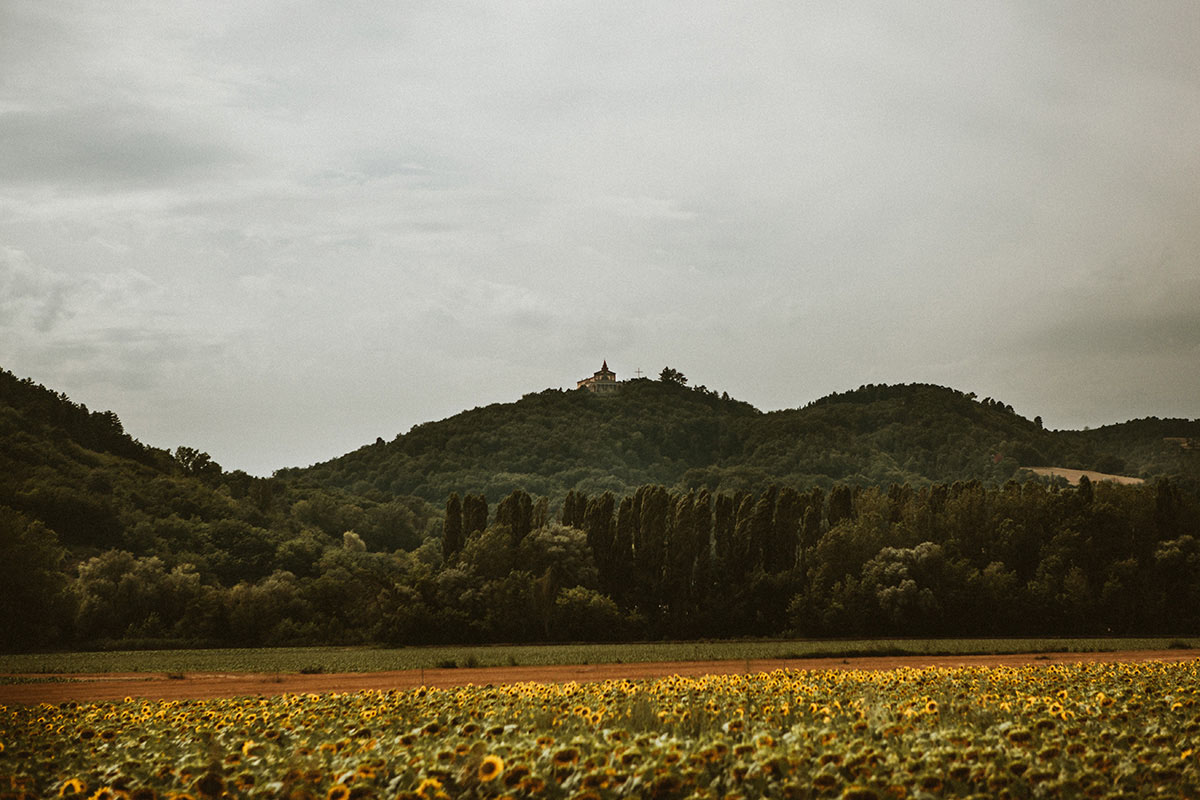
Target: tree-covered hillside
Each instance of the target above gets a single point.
(98, 530)
(665, 432)
(549, 442)
(663, 511)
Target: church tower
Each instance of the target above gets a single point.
(602, 382)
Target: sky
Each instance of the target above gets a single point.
(275, 231)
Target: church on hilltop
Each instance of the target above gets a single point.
(603, 382)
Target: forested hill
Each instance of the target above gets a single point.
(664, 432)
(98, 530)
(107, 542)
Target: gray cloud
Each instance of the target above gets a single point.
(29, 298)
(104, 144)
(275, 233)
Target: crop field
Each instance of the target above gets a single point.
(1079, 730)
(364, 659)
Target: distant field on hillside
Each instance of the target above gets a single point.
(365, 659)
(1073, 475)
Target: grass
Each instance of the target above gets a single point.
(366, 659)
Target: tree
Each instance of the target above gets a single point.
(33, 601)
(474, 513)
(452, 529)
(582, 614)
(669, 375)
(598, 525)
(841, 504)
(621, 552)
(516, 511)
(197, 464)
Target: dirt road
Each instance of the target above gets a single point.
(158, 686)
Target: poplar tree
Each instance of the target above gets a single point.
(474, 514)
(452, 530)
(598, 525)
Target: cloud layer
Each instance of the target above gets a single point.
(275, 232)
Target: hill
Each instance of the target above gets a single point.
(664, 511)
(667, 433)
(86, 508)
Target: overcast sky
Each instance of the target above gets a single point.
(277, 230)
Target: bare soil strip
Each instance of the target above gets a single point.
(204, 685)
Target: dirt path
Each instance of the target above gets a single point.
(114, 686)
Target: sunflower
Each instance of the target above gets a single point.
(859, 793)
(1019, 736)
(594, 780)
(72, 786)
(515, 774)
(533, 785)
(490, 768)
(429, 787)
(565, 757)
(666, 786)
(210, 784)
(339, 791)
(825, 781)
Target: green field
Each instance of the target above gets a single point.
(360, 659)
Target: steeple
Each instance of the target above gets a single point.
(604, 381)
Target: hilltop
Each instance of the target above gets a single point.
(664, 432)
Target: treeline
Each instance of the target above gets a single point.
(944, 560)
(956, 559)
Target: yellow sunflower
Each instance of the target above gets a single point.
(429, 787)
(72, 786)
(490, 768)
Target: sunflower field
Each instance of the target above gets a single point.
(1081, 730)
